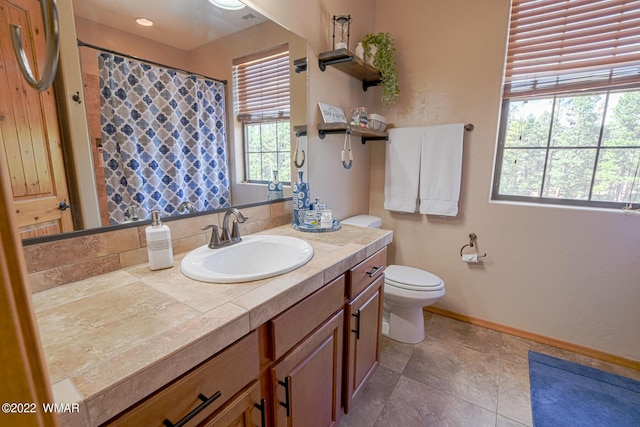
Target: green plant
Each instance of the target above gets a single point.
(383, 60)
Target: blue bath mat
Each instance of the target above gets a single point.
(567, 394)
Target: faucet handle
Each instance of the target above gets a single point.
(235, 232)
(214, 243)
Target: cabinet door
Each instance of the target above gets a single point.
(246, 409)
(364, 326)
(307, 382)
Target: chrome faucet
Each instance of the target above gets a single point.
(232, 236)
(220, 239)
(186, 205)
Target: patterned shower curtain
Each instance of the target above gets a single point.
(163, 139)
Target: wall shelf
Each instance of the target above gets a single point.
(366, 134)
(349, 63)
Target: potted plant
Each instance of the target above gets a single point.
(383, 60)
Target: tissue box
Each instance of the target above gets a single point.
(377, 122)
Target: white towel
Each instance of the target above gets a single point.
(402, 169)
(441, 169)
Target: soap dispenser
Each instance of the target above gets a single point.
(159, 243)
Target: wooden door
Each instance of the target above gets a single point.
(364, 326)
(308, 380)
(29, 131)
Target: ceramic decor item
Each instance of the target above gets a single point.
(275, 189)
(301, 199)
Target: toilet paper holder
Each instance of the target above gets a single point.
(471, 244)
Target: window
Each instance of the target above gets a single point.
(570, 126)
(261, 98)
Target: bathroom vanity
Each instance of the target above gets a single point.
(141, 347)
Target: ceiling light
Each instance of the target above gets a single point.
(144, 22)
(228, 4)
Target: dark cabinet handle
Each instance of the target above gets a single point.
(206, 401)
(357, 330)
(263, 412)
(375, 271)
(63, 206)
(286, 405)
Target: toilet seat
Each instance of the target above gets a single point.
(412, 279)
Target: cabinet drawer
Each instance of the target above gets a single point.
(226, 373)
(293, 325)
(363, 274)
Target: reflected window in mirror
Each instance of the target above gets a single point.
(262, 106)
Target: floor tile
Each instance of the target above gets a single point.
(453, 368)
(507, 422)
(466, 334)
(395, 355)
(413, 404)
(368, 405)
(514, 393)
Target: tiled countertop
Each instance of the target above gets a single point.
(111, 340)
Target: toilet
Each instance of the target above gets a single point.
(406, 291)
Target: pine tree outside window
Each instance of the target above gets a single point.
(570, 125)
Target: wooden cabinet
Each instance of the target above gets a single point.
(246, 409)
(307, 379)
(297, 370)
(363, 324)
(199, 393)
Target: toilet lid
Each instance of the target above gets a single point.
(411, 278)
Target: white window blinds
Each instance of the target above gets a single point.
(559, 46)
(261, 85)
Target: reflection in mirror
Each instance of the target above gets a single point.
(207, 41)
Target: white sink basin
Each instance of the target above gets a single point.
(255, 257)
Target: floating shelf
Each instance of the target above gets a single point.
(349, 63)
(300, 130)
(365, 133)
(300, 65)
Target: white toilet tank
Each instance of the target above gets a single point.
(368, 221)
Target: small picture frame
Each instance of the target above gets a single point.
(331, 114)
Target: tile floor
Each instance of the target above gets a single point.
(460, 375)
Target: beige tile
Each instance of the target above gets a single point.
(154, 363)
(79, 335)
(415, 404)
(466, 334)
(60, 295)
(514, 398)
(190, 243)
(368, 405)
(395, 355)
(201, 296)
(47, 279)
(280, 293)
(506, 422)
(133, 257)
(45, 256)
(281, 208)
(453, 368)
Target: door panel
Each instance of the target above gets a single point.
(29, 131)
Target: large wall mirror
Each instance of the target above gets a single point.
(193, 36)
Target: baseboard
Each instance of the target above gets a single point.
(596, 354)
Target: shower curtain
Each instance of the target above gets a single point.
(163, 139)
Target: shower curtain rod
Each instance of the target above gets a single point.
(91, 46)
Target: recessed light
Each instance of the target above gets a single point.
(228, 4)
(144, 22)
